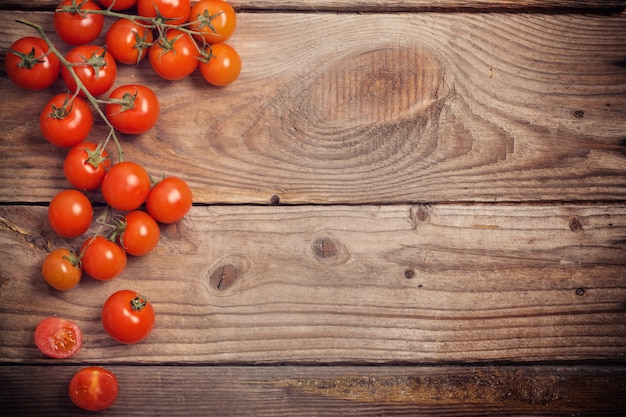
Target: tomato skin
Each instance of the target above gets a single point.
(32, 75)
(141, 117)
(223, 67)
(175, 11)
(128, 317)
(97, 69)
(58, 338)
(78, 28)
(70, 213)
(118, 4)
(79, 168)
(128, 42)
(174, 57)
(221, 16)
(68, 126)
(126, 186)
(93, 388)
(169, 200)
(60, 269)
(102, 259)
(140, 234)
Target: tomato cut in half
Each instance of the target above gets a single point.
(58, 338)
(93, 388)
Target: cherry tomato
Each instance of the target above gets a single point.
(118, 4)
(223, 66)
(31, 65)
(102, 259)
(128, 41)
(70, 213)
(61, 269)
(93, 388)
(169, 200)
(137, 112)
(75, 26)
(126, 186)
(128, 317)
(175, 56)
(96, 69)
(58, 338)
(65, 121)
(86, 165)
(174, 12)
(139, 233)
(215, 20)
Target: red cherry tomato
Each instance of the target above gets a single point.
(70, 213)
(30, 64)
(138, 109)
(102, 259)
(65, 121)
(215, 20)
(139, 234)
(223, 66)
(75, 26)
(61, 269)
(86, 165)
(175, 56)
(169, 200)
(96, 69)
(58, 338)
(128, 317)
(174, 12)
(93, 388)
(118, 4)
(128, 41)
(126, 186)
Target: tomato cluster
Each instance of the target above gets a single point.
(177, 38)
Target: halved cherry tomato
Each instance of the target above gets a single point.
(137, 110)
(61, 269)
(70, 213)
(128, 317)
(215, 20)
(93, 388)
(174, 56)
(58, 338)
(30, 64)
(139, 233)
(128, 41)
(94, 66)
(126, 186)
(65, 121)
(86, 165)
(75, 26)
(174, 12)
(169, 200)
(223, 65)
(102, 259)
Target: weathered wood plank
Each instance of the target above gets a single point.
(317, 391)
(345, 284)
(372, 108)
(386, 5)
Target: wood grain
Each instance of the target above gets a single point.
(345, 285)
(366, 108)
(325, 391)
(600, 6)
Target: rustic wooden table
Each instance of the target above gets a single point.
(401, 208)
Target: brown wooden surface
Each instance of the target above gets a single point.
(396, 214)
(500, 108)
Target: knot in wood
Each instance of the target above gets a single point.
(575, 224)
(325, 248)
